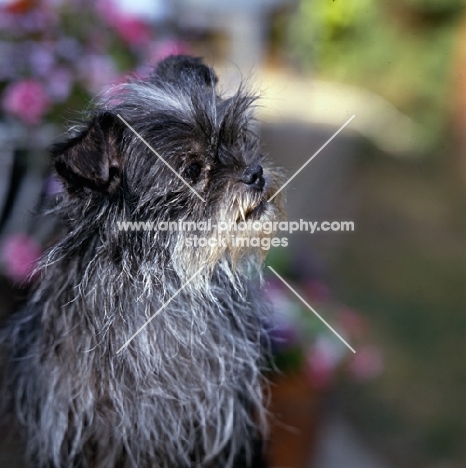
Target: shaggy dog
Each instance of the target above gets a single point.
(138, 348)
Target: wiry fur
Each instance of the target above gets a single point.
(187, 390)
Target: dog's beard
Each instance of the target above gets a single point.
(233, 238)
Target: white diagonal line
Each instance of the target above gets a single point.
(310, 308)
(160, 157)
(311, 158)
(160, 310)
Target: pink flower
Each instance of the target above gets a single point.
(166, 48)
(19, 254)
(130, 28)
(366, 364)
(323, 360)
(354, 324)
(26, 100)
(320, 369)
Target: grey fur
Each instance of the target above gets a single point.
(187, 391)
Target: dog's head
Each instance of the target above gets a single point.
(175, 150)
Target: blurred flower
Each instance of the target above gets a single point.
(285, 327)
(166, 48)
(35, 17)
(274, 290)
(98, 71)
(301, 341)
(55, 50)
(19, 254)
(320, 369)
(68, 48)
(59, 84)
(26, 100)
(323, 360)
(42, 59)
(283, 333)
(366, 364)
(18, 6)
(132, 29)
(354, 324)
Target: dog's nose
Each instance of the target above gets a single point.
(252, 176)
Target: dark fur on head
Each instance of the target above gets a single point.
(187, 390)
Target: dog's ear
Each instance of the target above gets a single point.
(190, 70)
(92, 159)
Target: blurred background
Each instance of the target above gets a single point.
(395, 288)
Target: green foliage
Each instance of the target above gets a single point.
(402, 50)
(436, 6)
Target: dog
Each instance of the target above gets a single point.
(137, 349)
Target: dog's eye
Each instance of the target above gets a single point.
(193, 171)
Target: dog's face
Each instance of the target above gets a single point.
(208, 163)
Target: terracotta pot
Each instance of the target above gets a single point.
(295, 409)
